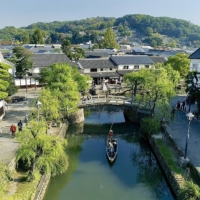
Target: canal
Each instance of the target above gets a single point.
(134, 175)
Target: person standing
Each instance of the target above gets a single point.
(178, 105)
(13, 130)
(20, 124)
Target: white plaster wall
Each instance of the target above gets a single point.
(22, 82)
(36, 70)
(195, 61)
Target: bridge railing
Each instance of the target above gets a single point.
(106, 99)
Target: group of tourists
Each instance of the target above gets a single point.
(13, 128)
(181, 106)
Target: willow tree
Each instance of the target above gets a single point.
(39, 151)
(133, 80)
(4, 74)
(157, 89)
(59, 79)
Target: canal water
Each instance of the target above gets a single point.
(135, 175)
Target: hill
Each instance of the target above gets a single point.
(78, 31)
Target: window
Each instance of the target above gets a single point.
(110, 68)
(147, 66)
(93, 70)
(194, 67)
(101, 69)
(136, 66)
(125, 67)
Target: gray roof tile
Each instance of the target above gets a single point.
(131, 59)
(158, 59)
(97, 63)
(195, 55)
(44, 60)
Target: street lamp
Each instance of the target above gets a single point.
(26, 75)
(38, 105)
(100, 78)
(190, 117)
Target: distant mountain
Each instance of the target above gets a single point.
(88, 29)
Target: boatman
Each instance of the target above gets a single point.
(110, 134)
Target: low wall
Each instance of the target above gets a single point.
(194, 171)
(168, 173)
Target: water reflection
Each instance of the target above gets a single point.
(134, 175)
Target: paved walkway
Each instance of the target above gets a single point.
(178, 128)
(15, 112)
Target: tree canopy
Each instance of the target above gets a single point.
(23, 60)
(156, 86)
(4, 83)
(40, 151)
(180, 63)
(109, 40)
(65, 83)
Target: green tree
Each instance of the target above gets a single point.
(156, 90)
(4, 83)
(66, 48)
(189, 191)
(78, 53)
(84, 81)
(37, 37)
(50, 104)
(60, 81)
(95, 46)
(40, 151)
(133, 80)
(24, 61)
(149, 31)
(180, 63)
(12, 88)
(109, 40)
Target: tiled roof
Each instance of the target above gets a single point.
(44, 60)
(131, 59)
(103, 74)
(122, 72)
(96, 63)
(158, 59)
(195, 55)
(91, 54)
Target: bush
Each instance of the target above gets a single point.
(149, 126)
(190, 191)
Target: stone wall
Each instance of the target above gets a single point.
(168, 173)
(76, 117)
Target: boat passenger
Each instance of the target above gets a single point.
(110, 144)
(112, 150)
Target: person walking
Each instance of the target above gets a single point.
(20, 125)
(13, 130)
(178, 105)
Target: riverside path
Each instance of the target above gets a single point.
(178, 129)
(15, 112)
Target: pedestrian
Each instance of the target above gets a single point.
(13, 130)
(26, 119)
(178, 105)
(183, 105)
(20, 125)
(172, 112)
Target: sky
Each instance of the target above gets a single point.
(25, 12)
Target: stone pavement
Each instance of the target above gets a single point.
(178, 128)
(14, 113)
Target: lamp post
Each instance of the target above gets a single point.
(189, 116)
(26, 75)
(100, 78)
(38, 105)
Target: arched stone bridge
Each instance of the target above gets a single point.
(105, 100)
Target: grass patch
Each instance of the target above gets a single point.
(170, 157)
(19, 188)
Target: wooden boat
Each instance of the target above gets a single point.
(111, 149)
